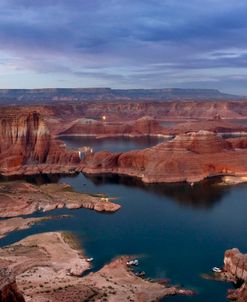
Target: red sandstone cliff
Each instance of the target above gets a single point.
(8, 288)
(235, 264)
(218, 126)
(142, 126)
(132, 110)
(189, 157)
(25, 141)
(238, 142)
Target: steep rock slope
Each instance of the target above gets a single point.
(189, 157)
(26, 141)
(142, 126)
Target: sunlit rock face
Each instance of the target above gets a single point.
(188, 157)
(104, 127)
(235, 264)
(26, 141)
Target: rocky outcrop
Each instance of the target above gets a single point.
(133, 110)
(189, 157)
(24, 198)
(19, 223)
(26, 145)
(236, 263)
(213, 125)
(117, 283)
(234, 271)
(89, 127)
(9, 291)
(238, 142)
(235, 266)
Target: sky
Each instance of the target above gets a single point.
(124, 44)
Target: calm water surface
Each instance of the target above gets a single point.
(178, 231)
(114, 144)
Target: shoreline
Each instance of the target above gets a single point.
(50, 265)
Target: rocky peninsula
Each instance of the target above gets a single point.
(48, 267)
(21, 198)
(189, 157)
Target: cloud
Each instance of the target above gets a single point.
(125, 43)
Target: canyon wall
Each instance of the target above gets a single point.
(143, 126)
(25, 141)
(188, 157)
(235, 264)
(132, 110)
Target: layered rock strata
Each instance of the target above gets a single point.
(19, 223)
(26, 146)
(9, 291)
(235, 268)
(88, 127)
(24, 198)
(189, 157)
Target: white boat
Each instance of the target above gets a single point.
(89, 259)
(216, 269)
(133, 262)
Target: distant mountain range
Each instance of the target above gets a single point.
(49, 95)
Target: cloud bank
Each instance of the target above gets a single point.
(124, 44)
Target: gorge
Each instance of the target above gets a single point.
(181, 167)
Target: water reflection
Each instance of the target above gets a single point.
(203, 195)
(113, 144)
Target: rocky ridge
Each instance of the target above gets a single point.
(189, 157)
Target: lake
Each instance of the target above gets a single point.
(114, 144)
(177, 231)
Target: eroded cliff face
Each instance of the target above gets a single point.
(143, 126)
(25, 141)
(189, 157)
(9, 291)
(235, 264)
(133, 110)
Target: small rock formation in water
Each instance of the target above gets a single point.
(48, 267)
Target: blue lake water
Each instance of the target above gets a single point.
(178, 231)
(114, 144)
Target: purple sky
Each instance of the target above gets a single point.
(124, 44)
